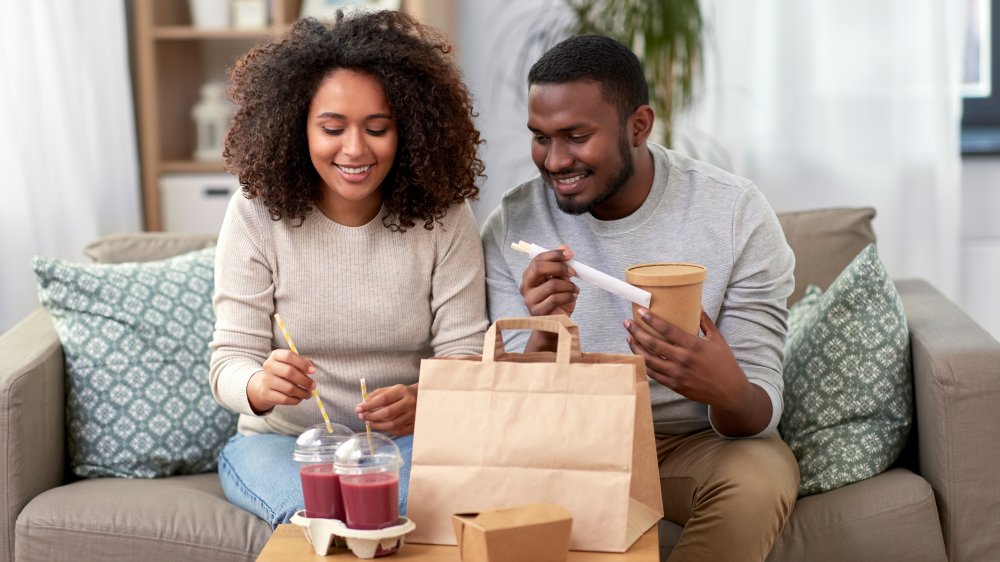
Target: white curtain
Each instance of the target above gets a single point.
(68, 159)
(497, 44)
(843, 103)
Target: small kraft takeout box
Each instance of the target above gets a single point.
(536, 532)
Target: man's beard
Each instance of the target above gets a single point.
(569, 206)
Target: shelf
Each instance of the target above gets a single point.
(192, 166)
(173, 59)
(181, 32)
(980, 141)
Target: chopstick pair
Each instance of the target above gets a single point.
(603, 280)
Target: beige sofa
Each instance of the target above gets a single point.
(942, 499)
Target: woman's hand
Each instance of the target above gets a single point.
(391, 409)
(284, 381)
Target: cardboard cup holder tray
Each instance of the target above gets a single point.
(322, 533)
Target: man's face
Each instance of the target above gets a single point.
(579, 145)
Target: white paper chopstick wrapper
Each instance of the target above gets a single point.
(603, 280)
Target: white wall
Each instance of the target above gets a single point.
(980, 278)
(492, 34)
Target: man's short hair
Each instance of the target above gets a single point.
(598, 58)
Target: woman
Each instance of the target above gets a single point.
(356, 149)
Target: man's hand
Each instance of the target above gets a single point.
(546, 285)
(547, 289)
(391, 409)
(284, 381)
(701, 369)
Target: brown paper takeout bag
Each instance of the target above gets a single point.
(507, 429)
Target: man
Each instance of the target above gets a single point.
(616, 200)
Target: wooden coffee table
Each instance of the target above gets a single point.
(289, 544)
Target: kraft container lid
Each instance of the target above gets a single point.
(665, 274)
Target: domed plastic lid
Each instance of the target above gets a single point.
(358, 455)
(316, 444)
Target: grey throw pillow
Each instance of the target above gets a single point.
(848, 390)
(145, 246)
(824, 242)
(135, 338)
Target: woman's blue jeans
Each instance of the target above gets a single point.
(258, 474)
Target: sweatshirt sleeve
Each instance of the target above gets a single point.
(503, 294)
(754, 315)
(458, 297)
(243, 303)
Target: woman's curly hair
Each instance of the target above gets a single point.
(436, 163)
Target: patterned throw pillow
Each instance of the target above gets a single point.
(848, 389)
(135, 337)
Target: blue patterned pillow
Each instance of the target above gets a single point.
(848, 390)
(135, 337)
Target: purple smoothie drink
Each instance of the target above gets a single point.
(315, 450)
(371, 500)
(368, 465)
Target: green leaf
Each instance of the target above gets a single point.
(666, 35)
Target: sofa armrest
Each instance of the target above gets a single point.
(32, 430)
(956, 375)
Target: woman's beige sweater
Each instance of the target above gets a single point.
(358, 302)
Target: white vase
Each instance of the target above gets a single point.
(249, 14)
(211, 119)
(209, 14)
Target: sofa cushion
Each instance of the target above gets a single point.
(892, 516)
(848, 390)
(167, 519)
(824, 241)
(145, 246)
(136, 336)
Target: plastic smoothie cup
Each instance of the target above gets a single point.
(675, 290)
(315, 451)
(368, 466)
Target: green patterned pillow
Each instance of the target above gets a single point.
(848, 389)
(135, 337)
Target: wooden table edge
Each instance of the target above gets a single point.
(289, 544)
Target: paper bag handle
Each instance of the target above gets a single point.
(569, 335)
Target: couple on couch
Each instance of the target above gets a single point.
(356, 149)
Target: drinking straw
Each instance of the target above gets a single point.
(368, 424)
(610, 284)
(291, 344)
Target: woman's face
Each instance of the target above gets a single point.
(352, 143)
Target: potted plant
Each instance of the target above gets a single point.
(665, 34)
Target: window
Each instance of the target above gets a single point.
(981, 107)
